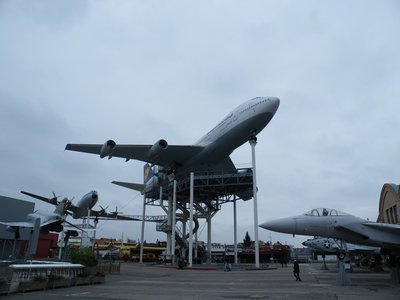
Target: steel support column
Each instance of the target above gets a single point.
(173, 222)
(235, 232)
(209, 238)
(142, 232)
(253, 143)
(191, 219)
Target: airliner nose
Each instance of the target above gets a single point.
(275, 102)
(284, 225)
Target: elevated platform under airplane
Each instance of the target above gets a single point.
(208, 186)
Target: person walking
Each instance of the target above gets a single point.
(296, 271)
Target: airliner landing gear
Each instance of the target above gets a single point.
(252, 139)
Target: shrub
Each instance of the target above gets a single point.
(83, 256)
(3, 281)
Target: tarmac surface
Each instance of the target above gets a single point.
(141, 281)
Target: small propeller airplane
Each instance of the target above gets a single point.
(83, 208)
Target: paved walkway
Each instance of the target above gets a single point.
(137, 281)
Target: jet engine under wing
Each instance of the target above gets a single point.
(171, 156)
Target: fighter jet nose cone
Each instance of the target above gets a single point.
(280, 225)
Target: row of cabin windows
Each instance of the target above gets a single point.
(247, 108)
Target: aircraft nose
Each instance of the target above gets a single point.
(94, 195)
(274, 101)
(281, 225)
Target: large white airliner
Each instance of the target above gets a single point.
(210, 153)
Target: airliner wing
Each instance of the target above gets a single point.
(171, 156)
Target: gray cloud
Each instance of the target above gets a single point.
(83, 71)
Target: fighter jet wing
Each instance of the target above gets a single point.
(351, 231)
(18, 224)
(393, 228)
(171, 156)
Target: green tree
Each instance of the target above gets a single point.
(247, 240)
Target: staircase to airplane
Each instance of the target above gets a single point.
(180, 238)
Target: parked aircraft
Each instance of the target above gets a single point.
(336, 224)
(83, 208)
(46, 221)
(38, 221)
(331, 245)
(210, 153)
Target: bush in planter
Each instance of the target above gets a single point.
(4, 285)
(86, 257)
(83, 256)
(3, 281)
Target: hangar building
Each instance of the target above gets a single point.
(389, 204)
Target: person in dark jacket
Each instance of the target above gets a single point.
(296, 270)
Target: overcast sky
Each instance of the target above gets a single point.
(138, 71)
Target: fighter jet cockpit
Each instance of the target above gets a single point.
(322, 212)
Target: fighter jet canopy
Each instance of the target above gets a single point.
(321, 212)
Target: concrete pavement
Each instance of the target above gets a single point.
(140, 281)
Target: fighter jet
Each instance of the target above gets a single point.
(38, 221)
(47, 221)
(336, 224)
(331, 245)
(83, 207)
(210, 153)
